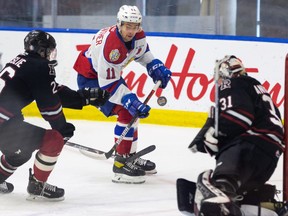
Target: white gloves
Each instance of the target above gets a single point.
(211, 142)
(205, 141)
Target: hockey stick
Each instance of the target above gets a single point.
(94, 153)
(185, 196)
(216, 79)
(84, 148)
(129, 159)
(101, 155)
(133, 120)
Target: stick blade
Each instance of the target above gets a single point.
(185, 196)
(141, 153)
(100, 155)
(93, 155)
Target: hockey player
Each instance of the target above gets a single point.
(112, 49)
(248, 145)
(31, 76)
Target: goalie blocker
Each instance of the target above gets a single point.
(255, 203)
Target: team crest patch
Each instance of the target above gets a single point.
(114, 55)
(225, 84)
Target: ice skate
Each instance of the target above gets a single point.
(127, 172)
(43, 191)
(146, 165)
(6, 187)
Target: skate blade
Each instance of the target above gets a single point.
(43, 199)
(5, 192)
(125, 179)
(151, 172)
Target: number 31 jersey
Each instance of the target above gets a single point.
(248, 112)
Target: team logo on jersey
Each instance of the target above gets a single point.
(226, 83)
(114, 55)
(52, 65)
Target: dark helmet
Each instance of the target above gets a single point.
(40, 42)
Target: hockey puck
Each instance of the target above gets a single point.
(161, 101)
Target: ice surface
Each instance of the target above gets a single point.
(87, 182)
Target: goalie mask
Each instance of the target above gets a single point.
(130, 14)
(229, 66)
(42, 43)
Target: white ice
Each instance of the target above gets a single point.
(87, 182)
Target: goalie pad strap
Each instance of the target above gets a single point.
(210, 200)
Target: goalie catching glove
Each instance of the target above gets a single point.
(205, 141)
(94, 96)
(211, 142)
(157, 71)
(134, 106)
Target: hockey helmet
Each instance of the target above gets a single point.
(229, 66)
(40, 42)
(128, 13)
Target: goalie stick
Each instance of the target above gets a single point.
(185, 196)
(96, 154)
(216, 113)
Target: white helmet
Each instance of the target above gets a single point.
(128, 13)
(230, 66)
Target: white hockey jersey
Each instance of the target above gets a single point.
(109, 55)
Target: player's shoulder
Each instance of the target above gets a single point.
(101, 36)
(38, 67)
(244, 81)
(106, 31)
(114, 49)
(29, 62)
(140, 35)
(236, 84)
(35, 61)
(113, 37)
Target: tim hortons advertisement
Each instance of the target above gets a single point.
(191, 61)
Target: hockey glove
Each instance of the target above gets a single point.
(67, 131)
(198, 143)
(94, 96)
(157, 71)
(134, 106)
(211, 142)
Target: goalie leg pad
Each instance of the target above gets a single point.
(209, 200)
(185, 195)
